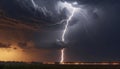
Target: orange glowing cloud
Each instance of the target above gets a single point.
(11, 55)
(26, 55)
(15, 44)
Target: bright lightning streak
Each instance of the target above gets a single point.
(62, 56)
(66, 28)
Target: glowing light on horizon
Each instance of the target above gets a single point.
(10, 54)
(15, 53)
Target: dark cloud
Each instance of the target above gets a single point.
(17, 24)
(93, 37)
(22, 44)
(26, 45)
(5, 45)
(24, 10)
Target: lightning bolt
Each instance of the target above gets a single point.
(64, 32)
(70, 9)
(66, 26)
(62, 55)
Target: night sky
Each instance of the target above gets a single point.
(33, 30)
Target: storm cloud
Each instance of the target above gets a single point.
(2, 45)
(93, 33)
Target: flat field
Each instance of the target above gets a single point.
(55, 66)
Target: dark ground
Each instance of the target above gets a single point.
(55, 66)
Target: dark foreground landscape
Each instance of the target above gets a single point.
(21, 65)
